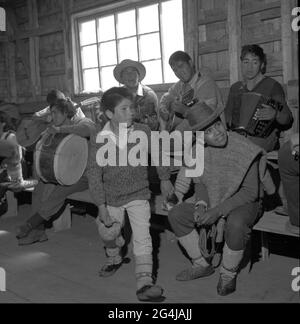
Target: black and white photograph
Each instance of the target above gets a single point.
(149, 154)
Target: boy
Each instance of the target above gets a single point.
(116, 189)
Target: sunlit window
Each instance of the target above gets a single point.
(149, 34)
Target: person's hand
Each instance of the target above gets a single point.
(104, 216)
(209, 217)
(53, 129)
(199, 213)
(266, 113)
(178, 107)
(166, 188)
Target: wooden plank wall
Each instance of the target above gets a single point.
(39, 31)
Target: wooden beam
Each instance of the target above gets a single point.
(286, 41)
(67, 7)
(3, 36)
(234, 29)
(20, 48)
(11, 68)
(32, 32)
(34, 58)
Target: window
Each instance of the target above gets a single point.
(2, 19)
(148, 33)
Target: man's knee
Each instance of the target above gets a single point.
(181, 218)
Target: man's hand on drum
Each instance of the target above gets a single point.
(104, 216)
(266, 113)
(177, 106)
(53, 129)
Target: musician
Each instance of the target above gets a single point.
(11, 152)
(254, 64)
(48, 199)
(131, 73)
(52, 97)
(233, 196)
(193, 86)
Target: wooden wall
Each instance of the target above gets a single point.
(35, 52)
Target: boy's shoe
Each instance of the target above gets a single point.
(226, 285)
(150, 293)
(195, 273)
(109, 269)
(36, 235)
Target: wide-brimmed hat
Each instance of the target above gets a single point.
(201, 115)
(129, 63)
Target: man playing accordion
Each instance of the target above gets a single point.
(256, 84)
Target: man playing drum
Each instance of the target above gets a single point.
(48, 198)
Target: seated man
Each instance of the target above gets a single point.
(193, 86)
(11, 154)
(48, 198)
(288, 161)
(253, 67)
(229, 188)
(145, 102)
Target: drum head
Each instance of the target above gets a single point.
(70, 159)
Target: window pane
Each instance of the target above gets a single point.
(153, 72)
(106, 28)
(91, 80)
(87, 33)
(89, 56)
(107, 53)
(107, 78)
(128, 49)
(172, 33)
(148, 19)
(149, 47)
(126, 24)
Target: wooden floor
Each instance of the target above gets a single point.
(64, 270)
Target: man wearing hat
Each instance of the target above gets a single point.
(193, 86)
(229, 188)
(145, 102)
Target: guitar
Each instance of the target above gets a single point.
(31, 128)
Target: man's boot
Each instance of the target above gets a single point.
(200, 267)
(228, 271)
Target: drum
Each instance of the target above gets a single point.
(61, 158)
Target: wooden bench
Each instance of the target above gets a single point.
(270, 222)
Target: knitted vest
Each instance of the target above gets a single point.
(225, 168)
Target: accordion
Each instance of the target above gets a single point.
(249, 124)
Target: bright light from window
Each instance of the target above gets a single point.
(172, 34)
(107, 53)
(107, 78)
(128, 49)
(91, 80)
(149, 47)
(106, 28)
(148, 33)
(89, 56)
(153, 72)
(87, 33)
(126, 24)
(148, 19)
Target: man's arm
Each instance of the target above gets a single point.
(83, 128)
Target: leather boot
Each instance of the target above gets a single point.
(33, 222)
(37, 234)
